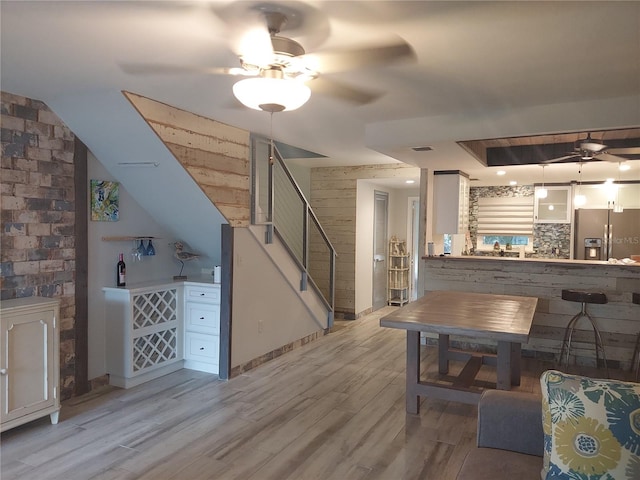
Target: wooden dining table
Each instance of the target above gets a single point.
(505, 319)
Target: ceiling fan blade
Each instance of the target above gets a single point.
(162, 69)
(249, 38)
(560, 159)
(342, 60)
(357, 96)
(607, 157)
(625, 151)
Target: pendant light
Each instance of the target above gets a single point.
(579, 200)
(617, 206)
(542, 192)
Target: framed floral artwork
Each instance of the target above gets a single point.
(105, 198)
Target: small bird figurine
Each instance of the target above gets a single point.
(183, 256)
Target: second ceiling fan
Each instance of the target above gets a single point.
(589, 149)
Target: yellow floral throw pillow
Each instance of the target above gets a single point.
(591, 428)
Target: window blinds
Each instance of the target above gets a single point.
(505, 216)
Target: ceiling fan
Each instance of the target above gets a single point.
(589, 149)
(278, 67)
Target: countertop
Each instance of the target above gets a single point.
(167, 282)
(532, 260)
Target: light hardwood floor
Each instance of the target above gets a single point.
(333, 409)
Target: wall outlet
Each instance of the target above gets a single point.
(260, 326)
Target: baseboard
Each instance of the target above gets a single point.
(245, 367)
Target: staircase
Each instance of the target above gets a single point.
(280, 206)
(279, 263)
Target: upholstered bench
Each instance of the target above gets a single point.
(580, 427)
(510, 438)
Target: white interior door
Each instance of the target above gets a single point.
(380, 214)
(413, 225)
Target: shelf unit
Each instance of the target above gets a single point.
(398, 277)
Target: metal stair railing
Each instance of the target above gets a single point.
(279, 204)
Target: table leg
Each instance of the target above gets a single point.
(516, 355)
(413, 371)
(503, 365)
(443, 354)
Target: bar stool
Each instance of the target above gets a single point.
(636, 352)
(584, 297)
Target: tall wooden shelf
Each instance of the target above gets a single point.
(398, 276)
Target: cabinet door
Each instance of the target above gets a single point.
(27, 364)
(451, 200)
(555, 207)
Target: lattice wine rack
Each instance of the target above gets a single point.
(155, 329)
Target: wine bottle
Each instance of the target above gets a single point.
(121, 271)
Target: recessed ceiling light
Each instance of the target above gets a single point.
(409, 181)
(513, 182)
(624, 167)
(501, 172)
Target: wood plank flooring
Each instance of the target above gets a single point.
(333, 409)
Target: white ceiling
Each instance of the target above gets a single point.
(483, 70)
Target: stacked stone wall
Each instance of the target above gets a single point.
(38, 215)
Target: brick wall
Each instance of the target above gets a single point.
(38, 215)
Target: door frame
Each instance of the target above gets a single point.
(379, 195)
(413, 240)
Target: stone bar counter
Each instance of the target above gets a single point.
(618, 320)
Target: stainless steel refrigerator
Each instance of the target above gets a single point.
(619, 234)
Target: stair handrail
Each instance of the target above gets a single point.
(276, 158)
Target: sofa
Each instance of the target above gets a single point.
(579, 427)
(509, 440)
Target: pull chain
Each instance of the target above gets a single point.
(271, 139)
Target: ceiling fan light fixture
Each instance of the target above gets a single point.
(272, 94)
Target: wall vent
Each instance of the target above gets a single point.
(422, 149)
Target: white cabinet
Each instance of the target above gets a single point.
(607, 195)
(143, 333)
(202, 327)
(451, 199)
(555, 207)
(29, 360)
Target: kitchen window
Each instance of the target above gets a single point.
(516, 241)
(505, 220)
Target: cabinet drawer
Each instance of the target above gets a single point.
(208, 294)
(203, 318)
(202, 348)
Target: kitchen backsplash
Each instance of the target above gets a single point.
(547, 237)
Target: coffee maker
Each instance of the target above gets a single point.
(593, 249)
